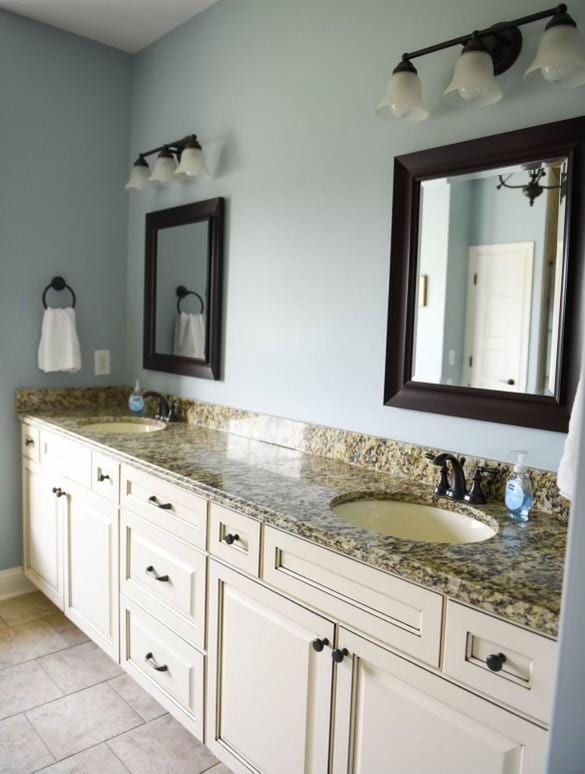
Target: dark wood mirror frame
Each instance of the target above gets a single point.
(563, 138)
(212, 211)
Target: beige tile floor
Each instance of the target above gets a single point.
(67, 708)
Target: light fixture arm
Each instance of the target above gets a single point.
(462, 40)
(176, 147)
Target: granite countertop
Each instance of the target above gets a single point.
(517, 574)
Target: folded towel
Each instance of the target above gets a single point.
(59, 348)
(190, 335)
(567, 475)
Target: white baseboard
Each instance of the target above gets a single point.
(13, 583)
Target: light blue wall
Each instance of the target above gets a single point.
(64, 131)
(308, 176)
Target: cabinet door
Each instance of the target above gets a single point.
(91, 589)
(43, 531)
(269, 689)
(394, 716)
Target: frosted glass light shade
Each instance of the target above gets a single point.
(138, 176)
(473, 80)
(164, 169)
(192, 162)
(403, 98)
(560, 57)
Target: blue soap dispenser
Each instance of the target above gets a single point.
(136, 400)
(518, 496)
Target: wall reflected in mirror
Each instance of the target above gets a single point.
(489, 278)
(181, 290)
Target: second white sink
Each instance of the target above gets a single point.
(412, 521)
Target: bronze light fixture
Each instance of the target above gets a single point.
(533, 188)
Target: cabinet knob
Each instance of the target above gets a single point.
(153, 574)
(230, 539)
(59, 492)
(164, 506)
(495, 661)
(151, 661)
(338, 655)
(29, 442)
(319, 644)
(103, 477)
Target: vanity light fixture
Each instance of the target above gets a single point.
(486, 54)
(534, 188)
(174, 160)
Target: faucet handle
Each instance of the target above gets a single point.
(476, 495)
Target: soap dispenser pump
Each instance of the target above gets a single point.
(518, 497)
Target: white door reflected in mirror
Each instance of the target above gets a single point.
(490, 273)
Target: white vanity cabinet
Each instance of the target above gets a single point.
(44, 544)
(91, 566)
(270, 678)
(283, 656)
(393, 715)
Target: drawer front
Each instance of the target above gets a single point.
(525, 676)
(394, 612)
(169, 668)
(30, 442)
(164, 575)
(105, 477)
(235, 539)
(67, 457)
(169, 507)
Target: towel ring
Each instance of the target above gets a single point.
(58, 284)
(183, 292)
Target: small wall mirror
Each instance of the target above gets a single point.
(182, 312)
(484, 277)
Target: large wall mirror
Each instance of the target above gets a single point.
(183, 289)
(487, 256)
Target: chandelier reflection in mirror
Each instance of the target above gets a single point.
(487, 53)
(534, 188)
(176, 160)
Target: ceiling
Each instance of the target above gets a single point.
(129, 25)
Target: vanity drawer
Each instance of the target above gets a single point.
(165, 505)
(67, 457)
(393, 611)
(235, 539)
(164, 575)
(170, 669)
(30, 440)
(524, 681)
(105, 477)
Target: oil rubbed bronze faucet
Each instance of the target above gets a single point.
(165, 412)
(452, 483)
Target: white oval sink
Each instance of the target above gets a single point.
(126, 427)
(411, 521)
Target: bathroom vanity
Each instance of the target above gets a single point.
(286, 639)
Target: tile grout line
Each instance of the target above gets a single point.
(117, 757)
(40, 738)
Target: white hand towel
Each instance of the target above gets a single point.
(567, 475)
(190, 335)
(59, 348)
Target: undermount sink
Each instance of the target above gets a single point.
(413, 521)
(125, 427)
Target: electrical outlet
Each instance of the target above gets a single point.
(101, 359)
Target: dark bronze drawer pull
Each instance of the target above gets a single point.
(29, 442)
(163, 506)
(495, 661)
(103, 477)
(230, 539)
(59, 492)
(153, 574)
(338, 655)
(151, 661)
(319, 644)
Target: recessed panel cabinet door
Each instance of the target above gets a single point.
(43, 531)
(394, 716)
(269, 689)
(91, 593)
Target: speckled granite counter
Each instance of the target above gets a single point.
(517, 574)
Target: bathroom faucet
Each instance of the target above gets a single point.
(454, 488)
(165, 412)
